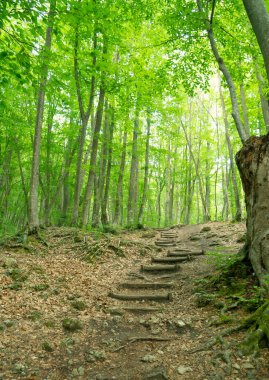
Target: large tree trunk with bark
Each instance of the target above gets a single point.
(253, 162)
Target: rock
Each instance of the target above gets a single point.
(149, 358)
(181, 370)
(117, 318)
(158, 373)
(154, 320)
(92, 355)
(194, 238)
(206, 229)
(180, 323)
(248, 366)
(236, 366)
(9, 322)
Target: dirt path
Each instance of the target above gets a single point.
(61, 292)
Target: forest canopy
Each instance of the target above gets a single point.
(115, 112)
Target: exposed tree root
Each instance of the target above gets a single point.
(258, 332)
(258, 325)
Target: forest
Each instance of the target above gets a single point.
(136, 115)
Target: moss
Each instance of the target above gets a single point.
(258, 330)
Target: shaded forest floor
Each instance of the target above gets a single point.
(57, 321)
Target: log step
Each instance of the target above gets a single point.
(168, 235)
(142, 297)
(147, 285)
(160, 268)
(165, 244)
(176, 253)
(169, 260)
(165, 241)
(134, 309)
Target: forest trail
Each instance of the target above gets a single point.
(59, 321)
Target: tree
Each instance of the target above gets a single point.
(33, 201)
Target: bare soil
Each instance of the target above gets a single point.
(68, 281)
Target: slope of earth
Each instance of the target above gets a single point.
(57, 321)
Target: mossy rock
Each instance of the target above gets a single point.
(71, 324)
(205, 229)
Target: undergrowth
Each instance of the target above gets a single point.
(234, 288)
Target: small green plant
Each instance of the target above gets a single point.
(40, 287)
(71, 324)
(79, 305)
(17, 274)
(49, 323)
(46, 346)
(35, 316)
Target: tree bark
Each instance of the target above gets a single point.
(133, 182)
(146, 174)
(104, 204)
(118, 201)
(238, 214)
(95, 140)
(84, 116)
(244, 109)
(253, 162)
(33, 200)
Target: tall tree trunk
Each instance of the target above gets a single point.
(100, 179)
(84, 116)
(133, 182)
(33, 201)
(264, 101)
(238, 214)
(224, 69)
(259, 19)
(119, 195)
(104, 212)
(244, 109)
(95, 140)
(146, 174)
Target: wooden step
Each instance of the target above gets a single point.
(146, 285)
(184, 253)
(165, 240)
(142, 297)
(133, 309)
(165, 244)
(169, 260)
(160, 268)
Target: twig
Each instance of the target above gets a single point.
(142, 338)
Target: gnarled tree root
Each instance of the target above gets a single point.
(258, 330)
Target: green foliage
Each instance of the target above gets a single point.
(71, 324)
